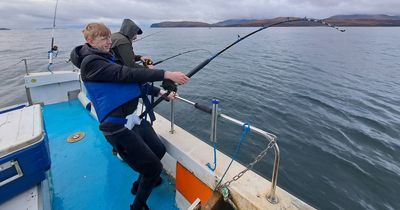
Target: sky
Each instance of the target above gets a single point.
(75, 13)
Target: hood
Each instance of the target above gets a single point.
(130, 29)
(80, 52)
(76, 57)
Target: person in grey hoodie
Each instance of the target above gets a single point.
(123, 51)
(122, 44)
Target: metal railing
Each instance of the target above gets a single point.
(271, 138)
(25, 60)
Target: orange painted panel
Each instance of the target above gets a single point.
(190, 186)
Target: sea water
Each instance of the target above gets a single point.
(331, 98)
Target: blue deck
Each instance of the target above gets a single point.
(85, 174)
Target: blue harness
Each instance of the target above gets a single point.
(107, 96)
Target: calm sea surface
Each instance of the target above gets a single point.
(333, 100)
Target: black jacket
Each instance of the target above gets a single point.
(95, 66)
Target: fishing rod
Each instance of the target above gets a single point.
(170, 86)
(136, 40)
(148, 62)
(53, 48)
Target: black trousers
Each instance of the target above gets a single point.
(142, 150)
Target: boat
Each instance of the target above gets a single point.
(53, 156)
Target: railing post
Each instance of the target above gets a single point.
(271, 196)
(172, 117)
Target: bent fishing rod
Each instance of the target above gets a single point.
(170, 86)
(53, 48)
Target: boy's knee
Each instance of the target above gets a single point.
(162, 152)
(154, 169)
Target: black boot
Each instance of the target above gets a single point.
(145, 207)
(135, 185)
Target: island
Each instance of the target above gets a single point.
(338, 20)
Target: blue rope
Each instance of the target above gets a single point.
(246, 129)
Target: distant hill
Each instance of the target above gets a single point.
(364, 20)
(374, 17)
(169, 24)
(3, 29)
(338, 20)
(232, 22)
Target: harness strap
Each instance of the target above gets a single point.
(148, 105)
(143, 90)
(116, 120)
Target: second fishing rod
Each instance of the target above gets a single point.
(170, 86)
(149, 62)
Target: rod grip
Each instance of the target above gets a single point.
(198, 68)
(156, 63)
(203, 108)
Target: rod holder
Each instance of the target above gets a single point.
(213, 133)
(214, 120)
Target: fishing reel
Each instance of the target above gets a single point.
(51, 54)
(148, 62)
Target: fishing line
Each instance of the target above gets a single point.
(141, 38)
(13, 65)
(171, 86)
(148, 62)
